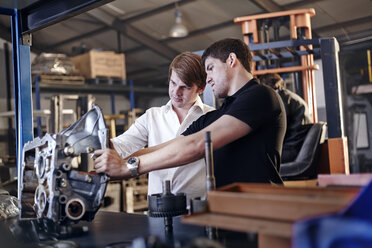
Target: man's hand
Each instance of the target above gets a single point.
(108, 161)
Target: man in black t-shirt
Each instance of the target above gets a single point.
(247, 131)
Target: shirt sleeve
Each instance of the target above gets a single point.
(201, 122)
(256, 107)
(135, 138)
(193, 128)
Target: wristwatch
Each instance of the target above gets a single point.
(132, 165)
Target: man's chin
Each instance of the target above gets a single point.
(177, 104)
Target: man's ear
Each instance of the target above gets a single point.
(232, 60)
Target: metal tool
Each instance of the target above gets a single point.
(211, 180)
(198, 205)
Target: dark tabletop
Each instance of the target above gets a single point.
(115, 230)
(108, 229)
(112, 228)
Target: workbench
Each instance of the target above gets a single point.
(112, 229)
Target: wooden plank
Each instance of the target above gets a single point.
(240, 224)
(264, 188)
(309, 11)
(338, 155)
(278, 202)
(358, 179)
(61, 79)
(269, 241)
(301, 183)
(286, 69)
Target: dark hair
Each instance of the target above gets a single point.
(189, 69)
(221, 50)
(272, 80)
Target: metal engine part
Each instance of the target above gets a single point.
(49, 187)
(167, 205)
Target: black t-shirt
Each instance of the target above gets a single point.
(254, 157)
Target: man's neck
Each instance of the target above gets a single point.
(182, 112)
(238, 81)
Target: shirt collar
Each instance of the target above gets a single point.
(168, 106)
(198, 104)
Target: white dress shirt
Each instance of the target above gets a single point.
(158, 125)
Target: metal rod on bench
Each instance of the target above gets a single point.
(211, 181)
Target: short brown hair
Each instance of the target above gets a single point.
(222, 48)
(273, 80)
(189, 69)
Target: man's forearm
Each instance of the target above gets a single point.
(149, 149)
(187, 149)
(179, 151)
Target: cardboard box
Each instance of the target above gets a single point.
(100, 64)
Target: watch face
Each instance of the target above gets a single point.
(132, 165)
(132, 160)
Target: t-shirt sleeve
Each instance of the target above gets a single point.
(255, 107)
(200, 123)
(194, 127)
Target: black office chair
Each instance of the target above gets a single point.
(304, 166)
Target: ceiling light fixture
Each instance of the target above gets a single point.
(178, 30)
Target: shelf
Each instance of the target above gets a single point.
(99, 89)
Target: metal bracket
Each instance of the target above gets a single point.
(27, 39)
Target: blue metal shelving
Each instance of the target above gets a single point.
(26, 17)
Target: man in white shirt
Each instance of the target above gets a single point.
(187, 79)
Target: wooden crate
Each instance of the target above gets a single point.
(269, 210)
(136, 198)
(100, 64)
(113, 191)
(136, 194)
(137, 181)
(278, 202)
